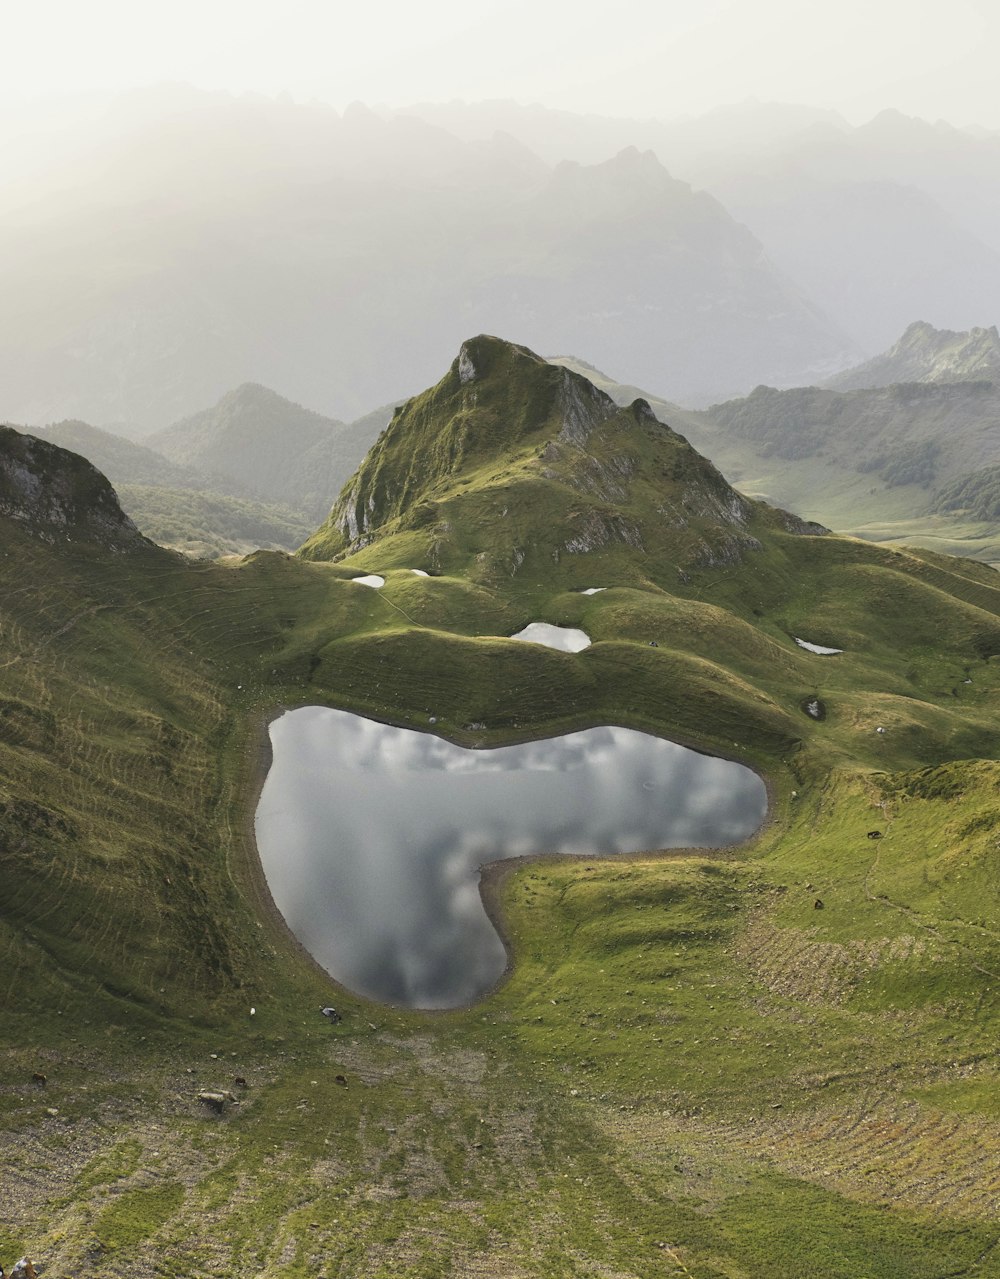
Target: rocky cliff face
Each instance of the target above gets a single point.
(927, 354)
(59, 496)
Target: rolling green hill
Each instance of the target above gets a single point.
(691, 1069)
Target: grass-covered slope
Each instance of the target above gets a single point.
(691, 1070)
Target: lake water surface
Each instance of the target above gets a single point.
(371, 837)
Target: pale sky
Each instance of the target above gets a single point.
(617, 57)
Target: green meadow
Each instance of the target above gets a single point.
(692, 1068)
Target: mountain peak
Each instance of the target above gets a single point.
(927, 354)
(510, 459)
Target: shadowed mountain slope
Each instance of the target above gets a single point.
(258, 440)
(58, 495)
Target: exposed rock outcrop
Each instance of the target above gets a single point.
(58, 495)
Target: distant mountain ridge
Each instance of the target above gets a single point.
(927, 354)
(336, 256)
(269, 446)
(124, 461)
(876, 224)
(902, 462)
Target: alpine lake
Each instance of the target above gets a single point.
(372, 837)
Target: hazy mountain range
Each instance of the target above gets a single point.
(897, 455)
(890, 449)
(877, 224)
(195, 241)
(254, 470)
(926, 354)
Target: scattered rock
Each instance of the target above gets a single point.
(216, 1101)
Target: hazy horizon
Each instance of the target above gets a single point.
(187, 203)
(639, 59)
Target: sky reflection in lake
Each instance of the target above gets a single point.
(371, 837)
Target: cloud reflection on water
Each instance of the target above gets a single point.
(371, 837)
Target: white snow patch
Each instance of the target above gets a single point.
(370, 579)
(566, 639)
(817, 648)
(419, 572)
(593, 590)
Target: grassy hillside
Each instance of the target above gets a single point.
(209, 525)
(691, 1071)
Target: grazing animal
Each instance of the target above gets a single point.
(330, 1014)
(340, 1079)
(24, 1270)
(817, 904)
(874, 834)
(240, 1082)
(37, 1078)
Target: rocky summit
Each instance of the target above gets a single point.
(511, 462)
